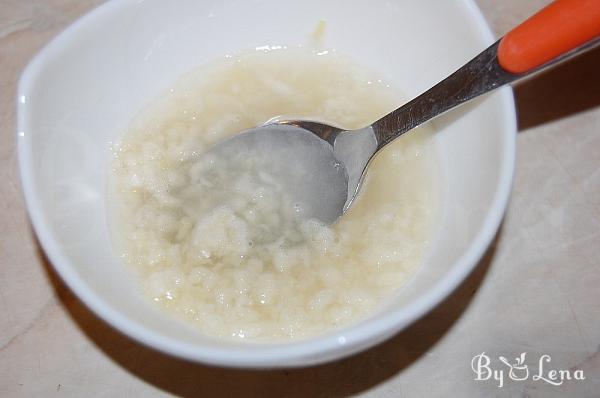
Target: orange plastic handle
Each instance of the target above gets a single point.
(562, 26)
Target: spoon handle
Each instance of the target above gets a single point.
(558, 32)
(561, 27)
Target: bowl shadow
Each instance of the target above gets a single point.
(566, 89)
(341, 378)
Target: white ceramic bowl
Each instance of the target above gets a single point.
(83, 89)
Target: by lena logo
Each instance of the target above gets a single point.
(519, 371)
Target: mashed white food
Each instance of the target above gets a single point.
(226, 249)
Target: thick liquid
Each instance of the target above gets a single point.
(226, 249)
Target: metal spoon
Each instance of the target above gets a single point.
(323, 166)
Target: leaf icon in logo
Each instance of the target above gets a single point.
(518, 371)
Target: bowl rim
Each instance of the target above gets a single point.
(319, 349)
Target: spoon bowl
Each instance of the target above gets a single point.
(291, 154)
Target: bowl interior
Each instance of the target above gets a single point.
(81, 91)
